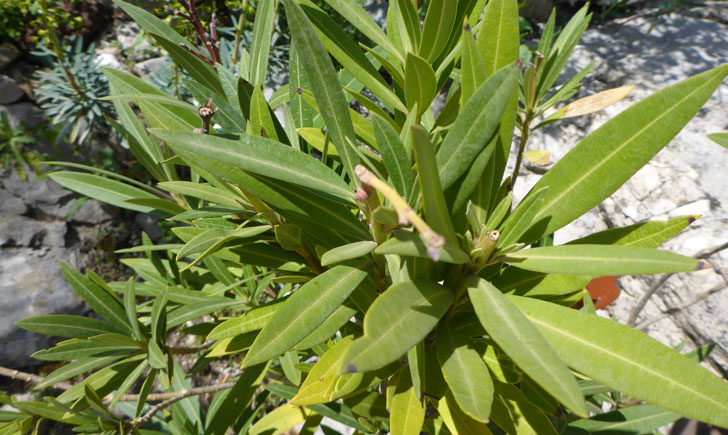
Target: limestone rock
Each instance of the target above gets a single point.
(10, 92)
(8, 53)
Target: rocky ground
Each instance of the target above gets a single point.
(687, 177)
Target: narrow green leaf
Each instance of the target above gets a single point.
(252, 320)
(261, 118)
(436, 30)
(416, 361)
(475, 125)
(436, 211)
(719, 138)
(64, 325)
(400, 318)
(260, 43)
(202, 191)
(499, 41)
(419, 83)
(629, 361)
(328, 328)
(304, 311)
(465, 373)
(522, 342)
(189, 312)
(130, 307)
(605, 159)
(408, 414)
(408, 243)
(208, 240)
(75, 368)
(150, 23)
(600, 260)
(237, 400)
(520, 221)
(649, 234)
(103, 189)
(76, 349)
(633, 419)
(406, 13)
(347, 252)
(261, 156)
(195, 67)
(324, 82)
(457, 421)
(473, 71)
(395, 156)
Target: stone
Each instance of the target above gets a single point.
(10, 92)
(94, 212)
(32, 285)
(105, 59)
(20, 231)
(26, 113)
(151, 66)
(8, 54)
(11, 204)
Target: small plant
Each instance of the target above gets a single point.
(12, 142)
(372, 270)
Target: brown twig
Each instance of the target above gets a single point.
(206, 112)
(171, 398)
(28, 377)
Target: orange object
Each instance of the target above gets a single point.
(603, 291)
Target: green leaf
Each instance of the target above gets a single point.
(236, 401)
(103, 303)
(75, 368)
(408, 413)
(280, 420)
(189, 312)
(103, 189)
(303, 312)
(400, 318)
(499, 41)
(328, 328)
(75, 349)
(202, 191)
(649, 234)
(359, 18)
(522, 342)
(260, 43)
(252, 320)
(473, 71)
(319, 386)
(261, 118)
(436, 30)
(436, 211)
(419, 83)
(457, 421)
(214, 238)
(476, 124)
(719, 138)
(609, 156)
(465, 373)
(395, 156)
(130, 308)
(150, 23)
(197, 68)
(324, 81)
(600, 260)
(629, 361)
(515, 414)
(521, 219)
(261, 156)
(63, 325)
(416, 361)
(347, 252)
(408, 243)
(633, 419)
(289, 236)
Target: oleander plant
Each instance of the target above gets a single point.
(348, 253)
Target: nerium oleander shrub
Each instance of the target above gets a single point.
(387, 283)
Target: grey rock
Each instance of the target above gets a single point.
(37, 192)
(10, 92)
(149, 225)
(149, 67)
(11, 204)
(27, 113)
(94, 212)
(31, 285)
(107, 60)
(8, 53)
(20, 231)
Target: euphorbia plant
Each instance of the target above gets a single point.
(373, 269)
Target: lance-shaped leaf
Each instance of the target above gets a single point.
(212, 239)
(280, 420)
(719, 138)
(457, 421)
(609, 156)
(408, 243)
(197, 68)
(633, 419)
(347, 252)
(419, 83)
(235, 401)
(600, 260)
(328, 328)
(518, 223)
(437, 29)
(436, 211)
(252, 320)
(408, 413)
(629, 361)
(324, 82)
(475, 125)
(150, 23)
(473, 71)
(64, 325)
(394, 155)
(260, 44)
(522, 342)
(649, 234)
(304, 311)
(75, 368)
(103, 189)
(319, 385)
(260, 156)
(465, 373)
(399, 319)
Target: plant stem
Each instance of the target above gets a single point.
(525, 134)
(171, 398)
(28, 377)
(239, 32)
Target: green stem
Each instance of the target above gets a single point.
(525, 134)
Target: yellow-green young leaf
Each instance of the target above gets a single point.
(407, 414)
(465, 373)
(516, 415)
(347, 252)
(103, 189)
(408, 243)
(324, 81)
(457, 421)
(359, 18)
(719, 138)
(416, 362)
(400, 318)
(436, 211)
(260, 43)
(202, 191)
(288, 364)
(261, 120)
(280, 420)
(522, 342)
(650, 234)
(319, 385)
(260, 156)
(501, 367)
(437, 29)
(419, 83)
(317, 138)
(326, 330)
(304, 311)
(231, 345)
(634, 419)
(629, 361)
(538, 157)
(600, 260)
(475, 125)
(609, 156)
(395, 156)
(473, 72)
